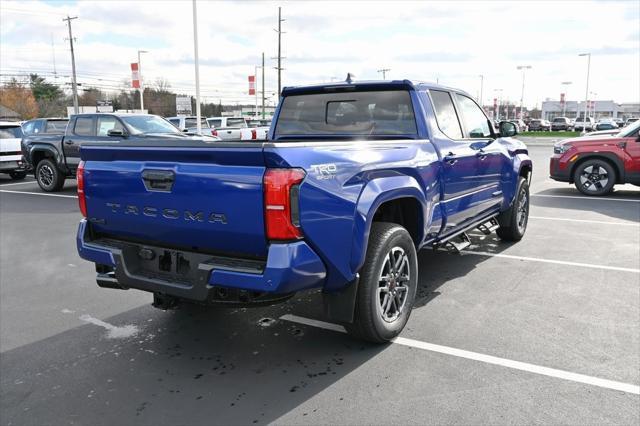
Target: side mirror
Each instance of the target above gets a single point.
(507, 129)
(116, 133)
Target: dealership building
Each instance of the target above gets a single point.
(597, 109)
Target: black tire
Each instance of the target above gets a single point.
(594, 177)
(372, 322)
(513, 222)
(16, 175)
(49, 178)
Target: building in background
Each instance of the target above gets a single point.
(597, 109)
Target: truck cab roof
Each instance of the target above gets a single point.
(366, 85)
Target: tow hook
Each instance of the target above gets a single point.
(164, 302)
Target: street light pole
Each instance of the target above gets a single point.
(586, 95)
(195, 50)
(481, 84)
(564, 104)
(141, 80)
(499, 102)
(523, 68)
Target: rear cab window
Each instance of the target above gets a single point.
(357, 114)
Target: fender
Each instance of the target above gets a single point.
(37, 147)
(374, 194)
(520, 161)
(613, 158)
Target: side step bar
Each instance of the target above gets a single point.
(460, 240)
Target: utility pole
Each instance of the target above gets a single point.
(586, 96)
(195, 50)
(481, 87)
(74, 85)
(263, 85)
(564, 104)
(279, 67)
(523, 68)
(384, 72)
(53, 51)
(141, 80)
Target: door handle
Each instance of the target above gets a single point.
(481, 155)
(68, 142)
(449, 158)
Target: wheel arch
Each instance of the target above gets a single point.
(610, 158)
(396, 199)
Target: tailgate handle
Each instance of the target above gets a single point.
(158, 180)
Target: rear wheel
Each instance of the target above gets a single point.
(513, 222)
(49, 178)
(16, 175)
(594, 177)
(387, 286)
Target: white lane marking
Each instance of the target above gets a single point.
(600, 222)
(488, 359)
(558, 262)
(38, 193)
(18, 183)
(586, 198)
(114, 332)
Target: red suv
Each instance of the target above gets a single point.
(595, 164)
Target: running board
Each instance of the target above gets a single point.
(459, 243)
(460, 240)
(489, 226)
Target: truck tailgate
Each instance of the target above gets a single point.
(198, 198)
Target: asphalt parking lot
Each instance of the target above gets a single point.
(543, 331)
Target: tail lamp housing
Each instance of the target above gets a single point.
(281, 203)
(82, 201)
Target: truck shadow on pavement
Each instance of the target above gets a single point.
(191, 366)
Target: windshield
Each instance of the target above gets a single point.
(141, 124)
(10, 132)
(236, 122)
(629, 130)
(559, 120)
(375, 113)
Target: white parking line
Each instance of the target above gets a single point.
(38, 193)
(558, 262)
(599, 222)
(18, 183)
(488, 359)
(586, 198)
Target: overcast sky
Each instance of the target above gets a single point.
(452, 42)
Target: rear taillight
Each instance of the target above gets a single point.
(281, 208)
(82, 202)
(254, 134)
(214, 132)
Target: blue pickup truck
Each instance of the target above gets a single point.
(353, 180)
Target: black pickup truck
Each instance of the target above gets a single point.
(54, 158)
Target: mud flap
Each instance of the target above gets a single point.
(340, 305)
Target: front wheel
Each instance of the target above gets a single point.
(16, 175)
(513, 222)
(594, 177)
(387, 286)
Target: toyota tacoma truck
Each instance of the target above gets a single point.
(354, 179)
(54, 157)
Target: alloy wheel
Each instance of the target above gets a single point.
(393, 284)
(594, 178)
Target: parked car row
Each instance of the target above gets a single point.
(225, 128)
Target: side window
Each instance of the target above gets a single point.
(446, 114)
(28, 128)
(215, 123)
(83, 126)
(175, 122)
(106, 123)
(475, 121)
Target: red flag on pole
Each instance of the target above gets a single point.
(252, 84)
(135, 76)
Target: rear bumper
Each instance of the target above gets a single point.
(288, 268)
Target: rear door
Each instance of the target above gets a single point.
(82, 130)
(490, 156)
(460, 164)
